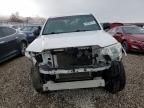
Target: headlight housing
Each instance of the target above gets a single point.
(114, 51)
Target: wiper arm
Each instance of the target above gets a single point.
(78, 30)
(52, 33)
(56, 32)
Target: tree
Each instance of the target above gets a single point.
(15, 18)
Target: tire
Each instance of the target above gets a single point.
(115, 79)
(125, 46)
(23, 46)
(36, 80)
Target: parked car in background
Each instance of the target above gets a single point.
(116, 24)
(74, 52)
(108, 26)
(131, 37)
(12, 43)
(31, 31)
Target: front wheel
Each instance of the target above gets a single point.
(115, 79)
(36, 80)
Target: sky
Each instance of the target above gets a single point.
(104, 10)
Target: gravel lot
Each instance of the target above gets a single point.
(16, 90)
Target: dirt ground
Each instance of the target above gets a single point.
(16, 90)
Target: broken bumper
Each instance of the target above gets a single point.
(69, 79)
(53, 71)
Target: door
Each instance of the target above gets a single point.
(11, 40)
(7, 42)
(3, 44)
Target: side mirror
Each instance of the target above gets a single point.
(106, 26)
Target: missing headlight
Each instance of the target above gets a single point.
(39, 58)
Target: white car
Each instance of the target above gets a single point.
(75, 52)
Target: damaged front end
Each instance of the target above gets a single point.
(74, 64)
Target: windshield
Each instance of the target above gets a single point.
(71, 24)
(133, 30)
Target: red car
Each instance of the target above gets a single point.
(131, 37)
(113, 25)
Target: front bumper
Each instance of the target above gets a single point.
(61, 81)
(72, 75)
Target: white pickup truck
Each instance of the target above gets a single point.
(75, 52)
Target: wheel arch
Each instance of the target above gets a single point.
(24, 41)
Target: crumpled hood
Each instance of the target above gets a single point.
(75, 39)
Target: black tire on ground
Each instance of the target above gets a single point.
(36, 80)
(115, 78)
(125, 46)
(23, 46)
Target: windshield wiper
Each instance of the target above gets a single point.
(78, 30)
(52, 33)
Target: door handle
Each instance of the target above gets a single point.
(2, 42)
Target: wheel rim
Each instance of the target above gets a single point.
(23, 48)
(125, 46)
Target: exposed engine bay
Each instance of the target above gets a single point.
(72, 57)
(75, 63)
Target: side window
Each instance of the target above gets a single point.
(6, 31)
(119, 30)
(113, 31)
